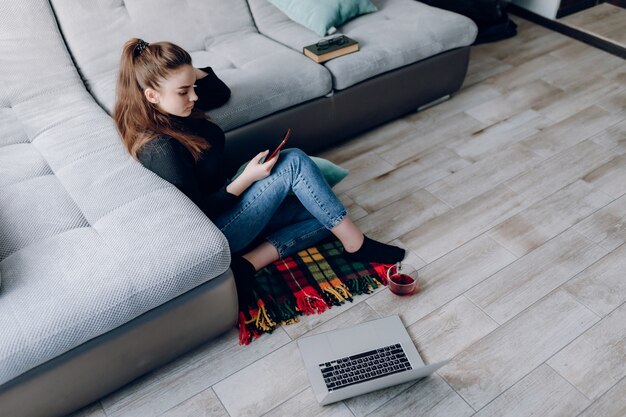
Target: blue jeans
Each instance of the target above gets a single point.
(266, 210)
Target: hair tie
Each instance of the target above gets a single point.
(141, 46)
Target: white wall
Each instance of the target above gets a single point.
(545, 8)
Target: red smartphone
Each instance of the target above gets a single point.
(280, 145)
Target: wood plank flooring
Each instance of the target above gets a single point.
(511, 200)
(603, 20)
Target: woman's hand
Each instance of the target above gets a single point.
(199, 73)
(254, 171)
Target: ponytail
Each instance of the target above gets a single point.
(143, 66)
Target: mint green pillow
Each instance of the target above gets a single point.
(332, 173)
(322, 15)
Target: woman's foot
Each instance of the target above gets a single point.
(373, 251)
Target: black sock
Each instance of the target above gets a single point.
(244, 273)
(373, 251)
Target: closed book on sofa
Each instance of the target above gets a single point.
(327, 49)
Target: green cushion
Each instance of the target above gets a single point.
(332, 173)
(321, 15)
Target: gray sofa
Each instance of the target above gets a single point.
(106, 270)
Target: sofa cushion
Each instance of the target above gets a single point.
(35, 209)
(322, 16)
(89, 239)
(263, 75)
(402, 32)
(20, 162)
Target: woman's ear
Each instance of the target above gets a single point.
(151, 95)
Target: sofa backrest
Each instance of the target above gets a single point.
(52, 131)
(96, 30)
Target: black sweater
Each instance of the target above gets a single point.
(204, 181)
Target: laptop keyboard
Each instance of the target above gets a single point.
(365, 366)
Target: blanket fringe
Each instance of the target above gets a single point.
(381, 270)
(308, 301)
(286, 310)
(263, 320)
(337, 290)
(246, 334)
(363, 285)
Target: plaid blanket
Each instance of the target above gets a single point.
(309, 282)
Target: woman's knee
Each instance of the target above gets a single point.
(293, 154)
(294, 157)
(292, 163)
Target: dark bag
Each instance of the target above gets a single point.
(489, 15)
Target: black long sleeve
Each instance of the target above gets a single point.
(204, 181)
(211, 91)
(169, 159)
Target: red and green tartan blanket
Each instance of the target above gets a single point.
(309, 282)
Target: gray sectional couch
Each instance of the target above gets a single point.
(106, 270)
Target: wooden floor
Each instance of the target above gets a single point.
(604, 21)
(511, 198)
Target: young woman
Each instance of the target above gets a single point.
(161, 99)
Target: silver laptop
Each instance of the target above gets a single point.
(370, 356)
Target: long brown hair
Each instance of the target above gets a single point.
(139, 121)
